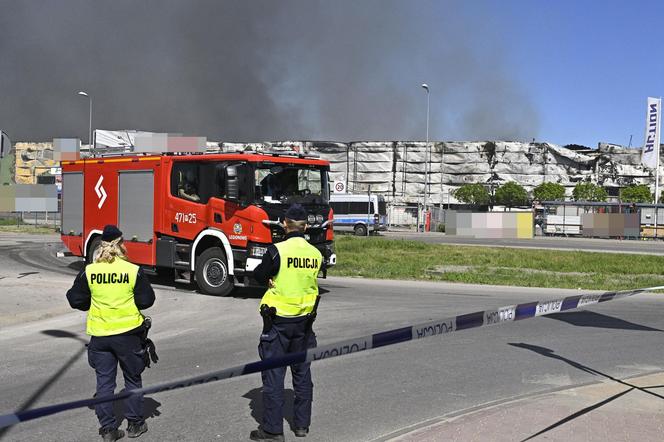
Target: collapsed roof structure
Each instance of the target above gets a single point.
(397, 169)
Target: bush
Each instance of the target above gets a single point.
(549, 192)
(472, 194)
(511, 194)
(440, 228)
(589, 192)
(639, 193)
(9, 221)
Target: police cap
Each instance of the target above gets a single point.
(110, 233)
(296, 213)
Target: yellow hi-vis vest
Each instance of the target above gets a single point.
(112, 308)
(296, 284)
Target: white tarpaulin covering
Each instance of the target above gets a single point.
(115, 139)
(397, 169)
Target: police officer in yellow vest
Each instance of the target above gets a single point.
(290, 269)
(113, 291)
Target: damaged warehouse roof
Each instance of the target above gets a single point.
(396, 169)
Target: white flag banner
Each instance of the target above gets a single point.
(651, 145)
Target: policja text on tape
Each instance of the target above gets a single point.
(445, 326)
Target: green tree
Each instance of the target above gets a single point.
(549, 192)
(511, 194)
(472, 194)
(638, 193)
(586, 191)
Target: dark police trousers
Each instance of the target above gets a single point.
(104, 354)
(287, 335)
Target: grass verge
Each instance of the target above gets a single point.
(400, 259)
(8, 222)
(39, 230)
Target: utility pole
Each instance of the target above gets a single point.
(85, 94)
(369, 209)
(427, 159)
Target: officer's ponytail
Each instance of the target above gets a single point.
(295, 226)
(109, 250)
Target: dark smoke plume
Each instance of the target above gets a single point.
(256, 70)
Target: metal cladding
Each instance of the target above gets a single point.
(33, 160)
(397, 169)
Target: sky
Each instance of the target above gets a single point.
(566, 72)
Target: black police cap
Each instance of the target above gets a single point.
(110, 233)
(296, 212)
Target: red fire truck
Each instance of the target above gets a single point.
(206, 218)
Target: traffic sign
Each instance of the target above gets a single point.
(339, 187)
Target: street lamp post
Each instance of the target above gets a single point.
(427, 158)
(85, 94)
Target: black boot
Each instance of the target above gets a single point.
(262, 435)
(301, 432)
(135, 429)
(111, 434)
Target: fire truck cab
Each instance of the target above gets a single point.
(206, 216)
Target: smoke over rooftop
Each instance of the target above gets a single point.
(257, 70)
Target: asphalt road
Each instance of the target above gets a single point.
(651, 247)
(360, 397)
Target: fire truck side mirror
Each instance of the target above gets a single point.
(237, 185)
(232, 183)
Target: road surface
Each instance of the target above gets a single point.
(361, 397)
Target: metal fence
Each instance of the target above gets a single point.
(46, 219)
(619, 220)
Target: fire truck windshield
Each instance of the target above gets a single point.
(287, 184)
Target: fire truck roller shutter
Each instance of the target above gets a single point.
(224, 240)
(72, 203)
(136, 204)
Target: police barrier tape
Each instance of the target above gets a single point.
(497, 316)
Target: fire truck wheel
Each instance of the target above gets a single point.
(360, 230)
(94, 245)
(212, 273)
